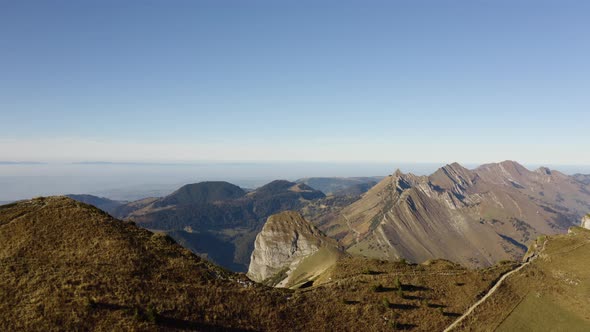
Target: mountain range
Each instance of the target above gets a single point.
(473, 217)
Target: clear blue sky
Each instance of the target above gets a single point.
(427, 81)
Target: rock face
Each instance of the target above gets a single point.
(284, 242)
(474, 217)
(586, 221)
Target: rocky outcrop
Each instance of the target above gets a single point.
(285, 241)
(586, 221)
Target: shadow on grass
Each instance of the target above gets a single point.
(181, 324)
(405, 327)
(109, 306)
(350, 302)
(169, 322)
(306, 284)
(414, 288)
(402, 306)
(382, 289)
(434, 305)
(451, 314)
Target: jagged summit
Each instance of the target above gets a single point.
(507, 168)
(451, 176)
(474, 217)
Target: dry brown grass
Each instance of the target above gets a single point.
(68, 266)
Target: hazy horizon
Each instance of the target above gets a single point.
(124, 181)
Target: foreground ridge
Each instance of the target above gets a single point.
(495, 288)
(67, 265)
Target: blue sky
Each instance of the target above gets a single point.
(413, 81)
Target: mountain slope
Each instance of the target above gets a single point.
(341, 186)
(474, 217)
(552, 293)
(105, 204)
(69, 266)
(217, 219)
(202, 193)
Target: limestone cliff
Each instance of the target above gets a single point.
(285, 242)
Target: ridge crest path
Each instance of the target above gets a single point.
(493, 289)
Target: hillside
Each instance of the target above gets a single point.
(66, 265)
(105, 204)
(552, 293)
(69, 266)
(474, 217)
(202, 193)
(584, 178)
(219, 220)
(340, 186)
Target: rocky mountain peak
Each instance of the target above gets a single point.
(452, 176)
(543, 171)
(507, 168)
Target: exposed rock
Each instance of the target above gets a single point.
(586, 221)
(284, 242)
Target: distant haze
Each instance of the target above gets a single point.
(135, 180)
